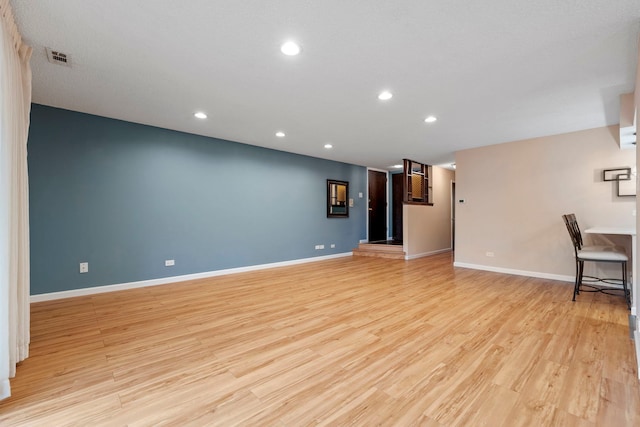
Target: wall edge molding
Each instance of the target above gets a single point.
(173, 279)
(5, 389)
(637, 345)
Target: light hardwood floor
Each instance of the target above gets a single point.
(351, 341)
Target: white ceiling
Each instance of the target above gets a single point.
(492, 71)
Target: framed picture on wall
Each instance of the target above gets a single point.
(626, 185)
(614, 174)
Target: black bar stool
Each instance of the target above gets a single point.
(595, 254)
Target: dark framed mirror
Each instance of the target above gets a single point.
(337, 199)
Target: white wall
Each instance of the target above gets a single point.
(517, 192)
(427, 229)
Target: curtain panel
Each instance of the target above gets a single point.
(15, 106)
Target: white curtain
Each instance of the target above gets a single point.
(15, 105)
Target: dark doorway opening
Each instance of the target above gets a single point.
(377, 206)
(396, 206)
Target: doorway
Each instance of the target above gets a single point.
(377, 205)
(396, 206)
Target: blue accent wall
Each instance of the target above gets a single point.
(126, 197)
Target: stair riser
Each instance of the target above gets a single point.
(381, 248)
(378, 254)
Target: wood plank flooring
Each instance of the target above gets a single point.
(351, 341)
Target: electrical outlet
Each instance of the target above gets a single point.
(333, 245)
(170, 263)
(490, 254)
(319, 247)
(84, 267)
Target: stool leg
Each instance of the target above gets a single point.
(576, 285)
(624, 285)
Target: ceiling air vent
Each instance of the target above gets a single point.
(57, 57)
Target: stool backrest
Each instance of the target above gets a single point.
(574, 231)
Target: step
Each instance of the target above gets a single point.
(380, 247)
(378, 254)
(380, 250)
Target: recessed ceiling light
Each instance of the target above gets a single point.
(328, 146)
(290, 48)
(200, 115)
(280, 134)
(397, 166)
(385, 95)
(431, 119)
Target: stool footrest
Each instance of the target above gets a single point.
(603, 290)
(586, 280)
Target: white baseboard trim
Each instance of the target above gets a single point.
(173, 279)
(424, 254)
(515, 272)
(536, 274)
